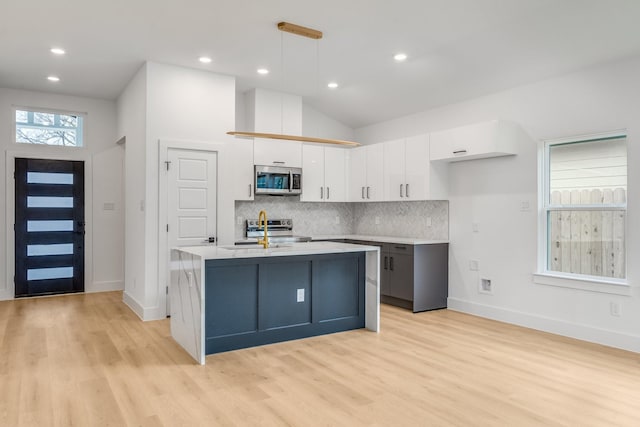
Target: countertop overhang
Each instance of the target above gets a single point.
(278, 250)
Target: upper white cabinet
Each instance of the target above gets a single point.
(481, 140)
(366, 165)
(274, 112)
(243, 169)
(268, 111)
(408, 174)
(406, 169)
(323, 174)
(272, 152)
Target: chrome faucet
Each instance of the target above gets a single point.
(262, 220)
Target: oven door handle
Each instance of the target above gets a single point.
(290, 181)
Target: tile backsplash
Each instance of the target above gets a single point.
(400, 219)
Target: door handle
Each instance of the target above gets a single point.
(290, 181)
(401, 185)
(210, 239)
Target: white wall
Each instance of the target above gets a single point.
(315, 123)
(103, 183)
(490, 192)
(180, 105)
(132, 124)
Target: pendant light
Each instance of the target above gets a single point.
(313, 34)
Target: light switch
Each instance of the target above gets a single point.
(300, 295)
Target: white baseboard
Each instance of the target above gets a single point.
(105, 286)
(144, 313)
(546, 324)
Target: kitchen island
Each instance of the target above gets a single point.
(225, 298)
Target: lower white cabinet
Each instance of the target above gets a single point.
(477, 141)
(323, 174)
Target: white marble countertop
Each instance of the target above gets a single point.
(254, 251)
(383, 239)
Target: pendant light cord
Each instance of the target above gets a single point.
(282, 82)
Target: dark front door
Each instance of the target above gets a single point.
(49, 227)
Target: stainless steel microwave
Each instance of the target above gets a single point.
(278, 180)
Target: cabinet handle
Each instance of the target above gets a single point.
(368, 188)
(460, 152)
(277, 162)
(321, 193)
(249, 190)
(391, 263)
(407, 191)
(328, 193)
(363, 193)
(401, 185)
(386, 263)
(404, 248)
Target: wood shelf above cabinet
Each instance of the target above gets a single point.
(298, 138)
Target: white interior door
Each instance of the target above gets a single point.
(191, 198)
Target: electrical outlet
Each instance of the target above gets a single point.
(377, 220)
(337, 220)
(428, 221)
(524, 206)
(239, 220)
(300, 295)
(473, 265)
(485, 286)
(614, 308)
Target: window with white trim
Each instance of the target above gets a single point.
(48, 128)
(585, 207)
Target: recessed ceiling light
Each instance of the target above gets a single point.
(53, 78)
(58, 51)
(263, 71)
(332, 85)
(205, 59)
(400, 57)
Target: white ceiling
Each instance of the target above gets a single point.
(458, 49)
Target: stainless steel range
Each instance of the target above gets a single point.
(278, 230)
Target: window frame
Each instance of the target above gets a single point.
(14, 126)
(585, 282)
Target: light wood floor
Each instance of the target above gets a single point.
(87, 360)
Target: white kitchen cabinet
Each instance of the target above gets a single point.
(272, 152)
(273, 112)
(478, 141)
(407, 169)
(243, 169)
(366, 165)
(323, 174)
